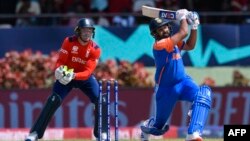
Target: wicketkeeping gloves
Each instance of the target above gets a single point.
(64, 75)
(193, 20)
(59, 72)
(67, 78)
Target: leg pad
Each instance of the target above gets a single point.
(200, 110)
(53, 102)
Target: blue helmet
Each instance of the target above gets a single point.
(84, 22)
(157, 23)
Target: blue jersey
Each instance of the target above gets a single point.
(172, 82)
(169, 65)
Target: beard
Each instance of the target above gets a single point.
(165, 35)
(162, 36)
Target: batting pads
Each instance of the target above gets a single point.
(200, 110)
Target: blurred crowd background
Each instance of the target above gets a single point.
(33, 69)
(115, 12)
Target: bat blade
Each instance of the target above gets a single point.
(158, 13)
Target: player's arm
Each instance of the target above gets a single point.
(90, 66)
(182, 33)
(63, 53)
(62, 58)
(183, 30)
(190, 43)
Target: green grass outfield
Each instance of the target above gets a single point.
(179, 139)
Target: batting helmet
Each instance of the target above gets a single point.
(84, 22)
(159, 22)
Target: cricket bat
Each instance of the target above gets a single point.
(158, 13)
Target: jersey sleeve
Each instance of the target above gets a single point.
(63, 53)
(166, 44)
(90, 65)
(181, 45)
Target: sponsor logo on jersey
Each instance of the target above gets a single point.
(78, 60)
(74, 50)
(63, 51)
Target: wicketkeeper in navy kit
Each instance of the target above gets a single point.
(172, 84)
(78, 58)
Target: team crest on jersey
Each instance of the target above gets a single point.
(75, 50)
(87, 53)
(176, 56)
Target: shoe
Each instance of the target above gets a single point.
(104, 137)
(32, 137)
(194, 137)
(144, 136)
(197, 139)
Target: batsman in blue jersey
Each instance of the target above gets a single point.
(172, 84)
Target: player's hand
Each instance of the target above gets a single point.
(67, 78)
(181, 14)
(59, 72)
(193, 20)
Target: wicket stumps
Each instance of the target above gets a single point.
(108, 84)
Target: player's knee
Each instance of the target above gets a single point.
(204, 96)
(55, 98)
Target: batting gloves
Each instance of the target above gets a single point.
(193, 20)
(181, 14)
